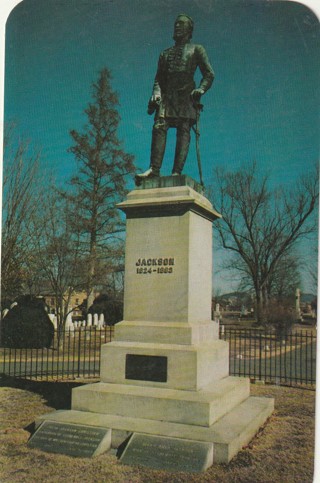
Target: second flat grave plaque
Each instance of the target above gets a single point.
(71, 439)
(162, 453)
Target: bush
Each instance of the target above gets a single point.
(27, 325)
(281, 319)
(111, 307)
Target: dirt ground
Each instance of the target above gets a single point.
(282, 451)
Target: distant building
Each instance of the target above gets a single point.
(76, 304)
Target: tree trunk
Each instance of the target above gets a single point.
(90, 297)
(92, 267)
(259, 305)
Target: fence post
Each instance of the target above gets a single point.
(311, 346)
(260, 356)
(79, 351)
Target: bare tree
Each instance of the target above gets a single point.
(56, 264)
(20, 201)
(101, 180)
(312, 266)
(285, 279)
(259, 225)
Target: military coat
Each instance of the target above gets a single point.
(174, 80)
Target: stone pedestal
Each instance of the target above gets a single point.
(167, 373)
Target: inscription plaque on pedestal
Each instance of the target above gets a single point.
(171, 454)
(71, 439)
(146, 368)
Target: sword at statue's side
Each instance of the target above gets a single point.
(199, 108)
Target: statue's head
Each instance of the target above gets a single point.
(183, 27)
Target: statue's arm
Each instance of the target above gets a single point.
(155, 99)
(205, 68)
(156, 92)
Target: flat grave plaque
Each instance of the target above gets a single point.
(171, 454)
(146, 368)
(71, 439)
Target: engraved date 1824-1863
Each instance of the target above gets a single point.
(154, 265)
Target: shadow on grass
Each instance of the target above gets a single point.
(57, 394)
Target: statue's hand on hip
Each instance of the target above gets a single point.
(196, 95)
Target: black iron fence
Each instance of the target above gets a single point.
(286, 359)
(260, 355)
(73, 354)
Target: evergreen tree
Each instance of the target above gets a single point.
(100, 183)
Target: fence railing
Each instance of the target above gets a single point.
(260, 355)
(75, 354)
(263, 355)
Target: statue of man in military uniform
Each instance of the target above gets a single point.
(175, 98)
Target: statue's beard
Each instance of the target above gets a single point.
(181, 36)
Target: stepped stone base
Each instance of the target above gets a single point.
(166, 332)
(202, 363)
(228, 435)
(201, 408)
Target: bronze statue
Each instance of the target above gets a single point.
(175, 98)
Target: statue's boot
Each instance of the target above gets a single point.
(146, 175)
(158, 146)
(182, 148)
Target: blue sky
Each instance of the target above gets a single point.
(263, 106)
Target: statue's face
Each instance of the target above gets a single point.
(182, 28)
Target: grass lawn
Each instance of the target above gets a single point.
(281, 452)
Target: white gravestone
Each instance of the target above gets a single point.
(89, 320)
